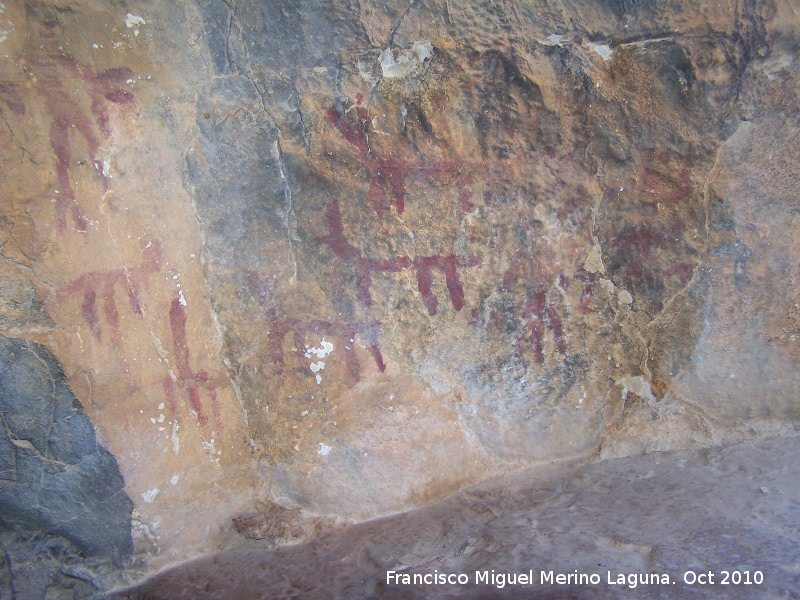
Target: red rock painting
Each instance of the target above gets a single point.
(638, 254)
(365, 268)
(654, 250)
(187, 383)
(528, 324)
(350, 255)
(424, 266)
(388, 177)
(585, 301)
(340, 333)
(101, 287)
(53, 71)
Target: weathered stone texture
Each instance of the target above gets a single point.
(61, 493)
(338, 259)
(523, 224)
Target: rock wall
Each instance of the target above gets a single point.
(66, 520)
(309, 263)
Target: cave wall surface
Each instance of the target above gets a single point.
(308, 263)
(65, 522)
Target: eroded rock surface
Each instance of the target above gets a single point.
(65, 519)
(310, 263)
(520, 225)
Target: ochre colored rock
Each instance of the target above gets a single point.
(305, 264)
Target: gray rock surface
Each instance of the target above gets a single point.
(310, 263)
(65, 519)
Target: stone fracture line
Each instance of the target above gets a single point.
(277, 154)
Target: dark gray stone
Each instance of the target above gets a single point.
(64, 515)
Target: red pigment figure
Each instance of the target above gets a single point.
(48, 69)
(186, 381)
(584, 304)
(423, 265)
(103, 283)
(390, 175)
(659, 183)
(530, 325)
(351, 255)
(342, 333)
(448, 264)
(642, 249)
(536, 315)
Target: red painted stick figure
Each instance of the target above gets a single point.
(102, 286)
(186, 382)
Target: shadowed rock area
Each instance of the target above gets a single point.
(65, 520)
(314, 263)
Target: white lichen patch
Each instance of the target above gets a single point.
(554, 39)
(638, 385)
(423, 50)
(603, 50)
(624, 297)
(176, 442)
(132, 21)
(7, 26)
(324, 449)
(150, 495)
(324, 350)
(402, 63)
(321, 352)
(105, 155)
